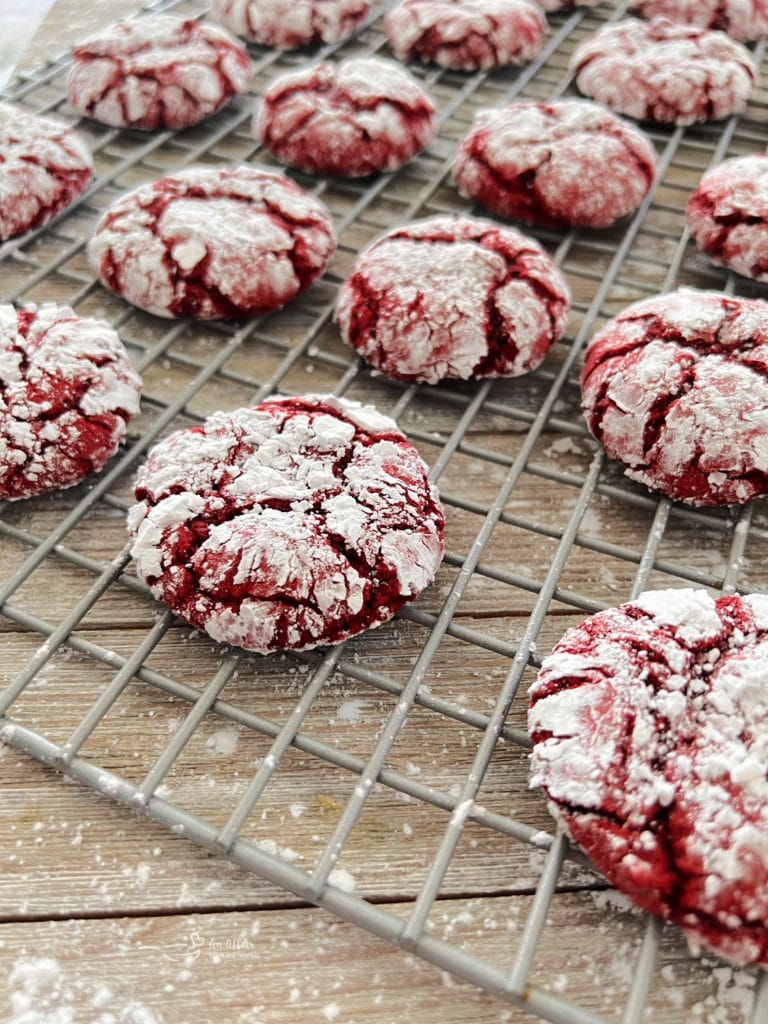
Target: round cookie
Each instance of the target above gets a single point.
(727, 215)
(67, 393)
(626, 65)
(351, 119)
(158, 72)
(295, 523)
(741, 19)
(43, 167)
(213, 242)
(560, 164)
(676, 388)
(291, 24)
(466, 35)
(453, 297)
(650, 739)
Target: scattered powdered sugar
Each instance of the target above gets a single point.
(39, 992)
(223, 741)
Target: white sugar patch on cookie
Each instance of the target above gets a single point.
(741, 19)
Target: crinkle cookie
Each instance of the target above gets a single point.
(67, 393)
(741, 19)
(352, 119)
(676, 388)
(561, 164)
(298, 522)
(453, 298)
(466, 35)
(291, 24)
(158, 72)
(650, 739)
(43, 167)
(727, 215)
(626, 65)
(213, 242)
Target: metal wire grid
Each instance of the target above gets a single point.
(605, 270)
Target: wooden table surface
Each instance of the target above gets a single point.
(108, 917)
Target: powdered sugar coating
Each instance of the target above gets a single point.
(453, 297)
(158, 72)
(626, 65)
(676, 388)
(565, 163)
(299, 522)
(466, 35)
(291, 24)
(352, 119)
(213, 243)
(650, 730)
(727, 215)
(43, 167)
(67, 393)
(741, 19)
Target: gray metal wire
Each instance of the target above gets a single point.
(423, 190)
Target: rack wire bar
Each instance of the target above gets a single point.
(530, 501)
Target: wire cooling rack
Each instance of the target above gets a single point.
(541, 530)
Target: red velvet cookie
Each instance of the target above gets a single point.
(560, 164)
(158, 72)
(351, 119)
(466, 35)
(650, 738)
(676, 388)
(291, 24)
(626, 65)
(727, 215)
(213, 243)
(453, 297)
(295, 523)
(741, 19)
(67, 393)
(43, 167)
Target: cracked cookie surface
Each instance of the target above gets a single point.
(676, 388)
(156, 72)
(44, 166)
(214, 242)
(626, 65)
(295, 523)
(649, 725)
(351, 119)
(727, 215)
(67, 393)
(466, 35)
(453, 297)
(555, 164)
(291, 24)
(741, 19)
